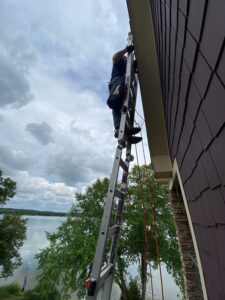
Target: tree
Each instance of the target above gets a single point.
(7, 189)
(159, 214)
(12, 231)
(133, 291)
(64, 262)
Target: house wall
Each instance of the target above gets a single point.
(190, 42)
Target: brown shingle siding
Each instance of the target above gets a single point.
(194, 212)
(220, 241)
(216, 205)
(215, 98)
(196, 17)
(185, 138)
(174, 12)
(210, 170)
(221, 65)
(181, 28)
(178, 59)
(179, 123)
(194, 100)
(202, 74)
(183, 5)
(213, 31)
(203, 129)
(217, 152)
(185, 79)
(200, 178)
(195, 148)
(173, 111)
(191, 52)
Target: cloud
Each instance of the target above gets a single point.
(78, 167)
(42, 132)
(39, 193)
(68, 167)
(75, 128)
(16, 60)
(12, 159)
(14, 85)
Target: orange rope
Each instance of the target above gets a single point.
(147, 234)
(156, 232)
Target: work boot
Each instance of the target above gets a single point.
(134, 139)
(132, 130)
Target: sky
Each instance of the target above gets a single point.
(55, 64)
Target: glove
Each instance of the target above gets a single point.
(130, 48)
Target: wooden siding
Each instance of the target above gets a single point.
(190, 41)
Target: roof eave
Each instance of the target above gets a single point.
(148, 71)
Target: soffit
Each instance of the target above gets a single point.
(145, 51)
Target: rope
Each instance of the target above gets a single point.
(143, 120)
(147, 234)
(155, 229)
(140, 115)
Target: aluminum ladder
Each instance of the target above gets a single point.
(102, 274)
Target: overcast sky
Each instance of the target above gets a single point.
(55, 63)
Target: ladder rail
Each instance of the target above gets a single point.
(96, 268)
(109, 280)
(103, 277)
(127, 97)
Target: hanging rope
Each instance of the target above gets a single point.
(147, 233)
(155, 225)
(143, 120)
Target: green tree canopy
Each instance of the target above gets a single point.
(155, 197)
(66, 260)
(64, 263)
(7, 189)
(12, 231)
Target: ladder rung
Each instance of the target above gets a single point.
(104, 274)
(119, 194)
(123, 165)
(112, 230)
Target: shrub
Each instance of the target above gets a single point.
(32, 295)
(133, 290)
(38, 294)
(12, 289)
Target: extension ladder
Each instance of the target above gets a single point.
(102, 274)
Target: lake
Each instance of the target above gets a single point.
(36, 240)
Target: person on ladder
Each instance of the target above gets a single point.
(116, 93)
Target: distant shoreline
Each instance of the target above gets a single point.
(31, 212)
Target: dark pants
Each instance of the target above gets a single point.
(116, 113)
(116, 118)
